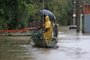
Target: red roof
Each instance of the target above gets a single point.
(86, 8)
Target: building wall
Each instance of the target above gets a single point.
(87, 23)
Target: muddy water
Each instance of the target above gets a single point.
(71, 47)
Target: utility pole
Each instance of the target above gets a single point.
(74, 13)
(78, 15)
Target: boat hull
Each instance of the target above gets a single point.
(40, 42)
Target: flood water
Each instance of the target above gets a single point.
(71, 47)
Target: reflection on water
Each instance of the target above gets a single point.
(15, 48)
(10, 50)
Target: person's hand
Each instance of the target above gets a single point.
(35, 29)
(43, 31)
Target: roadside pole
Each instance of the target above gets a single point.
(81, 15)
(78, 15)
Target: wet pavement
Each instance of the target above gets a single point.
(72, 46)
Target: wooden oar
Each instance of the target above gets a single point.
(29, 40)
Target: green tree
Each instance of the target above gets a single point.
(20, 12)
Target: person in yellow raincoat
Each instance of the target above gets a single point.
(47, 35)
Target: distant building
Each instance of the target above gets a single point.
(86, 19)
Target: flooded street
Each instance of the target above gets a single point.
(72, 46)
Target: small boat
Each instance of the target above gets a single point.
(38, 40)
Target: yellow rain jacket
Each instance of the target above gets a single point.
(48, 35)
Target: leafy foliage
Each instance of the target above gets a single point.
(15, 13)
